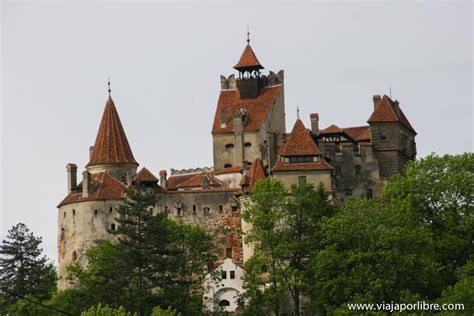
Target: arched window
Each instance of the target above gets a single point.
(224, 303)
(248, 144)
(229, 146)
(73, 212)
(96, 212)
(110, 209)
(74, 256)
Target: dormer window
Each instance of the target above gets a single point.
(123, 179)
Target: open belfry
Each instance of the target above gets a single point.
(250, 142)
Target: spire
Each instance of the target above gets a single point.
(111, 145)
(248, 61)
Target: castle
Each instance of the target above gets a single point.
(250, 142)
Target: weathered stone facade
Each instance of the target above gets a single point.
(250, 142)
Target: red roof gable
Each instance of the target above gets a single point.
(389, 111)
(103, 187)
(255, 173)
(256, 109)
(332, 129)
(248, 60)
(111, 144)
(299, 142)
(145, 175)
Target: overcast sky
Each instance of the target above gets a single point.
(164, 60)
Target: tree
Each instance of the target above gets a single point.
(372, 252)
(285, 232)
(439, 191)
(23, 270)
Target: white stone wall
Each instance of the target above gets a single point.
(220, 291)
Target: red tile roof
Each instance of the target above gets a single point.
(103, 187)
(145, 175)
(111, 145)
(248, 60)
(196, 181)
(299, 142)
(255, 173)
(359, 133)
(389, 111)
(257, 109)
(307, 166)
(229, 170)
(332, 129)
(173, 182)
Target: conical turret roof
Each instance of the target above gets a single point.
(248, 60)
(111, 145)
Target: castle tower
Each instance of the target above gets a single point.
(250, 115)
(87, 214)
(393, 137)
(111, 151)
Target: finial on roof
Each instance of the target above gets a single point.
(297, 112)
(248, 35)
(108, 83)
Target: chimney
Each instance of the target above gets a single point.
(376, 99)
(314, 122)
(204, 181)
(223, 117)
(86, 184)
(163, 175)
(91, 152)
(71, 177)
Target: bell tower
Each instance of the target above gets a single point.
(250, 82)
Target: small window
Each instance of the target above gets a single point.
(221, 208)
(166, 209)
(223, 275)
(228, 165)
(112, 227)
(370, 193)
(207, 210)
(247, 144)
(357, 170)
(338, 170)
(96, 212)
(234, 209)
(383, 136)
(194, 209)
(228, 253)
(356, 148)
(73, 212)
(74, 256)
(229, 146)
(232, 274)
(123, 179)
(178, 211)
(224, 303)
(110, 209)
(64, 215)
(301, 179)
(338, 149)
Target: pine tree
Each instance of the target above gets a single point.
(23, 271)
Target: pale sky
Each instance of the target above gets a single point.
(164, 60)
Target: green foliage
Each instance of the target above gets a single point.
(23, 271)
(101, 310)
(463, 290)
(285, 234)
